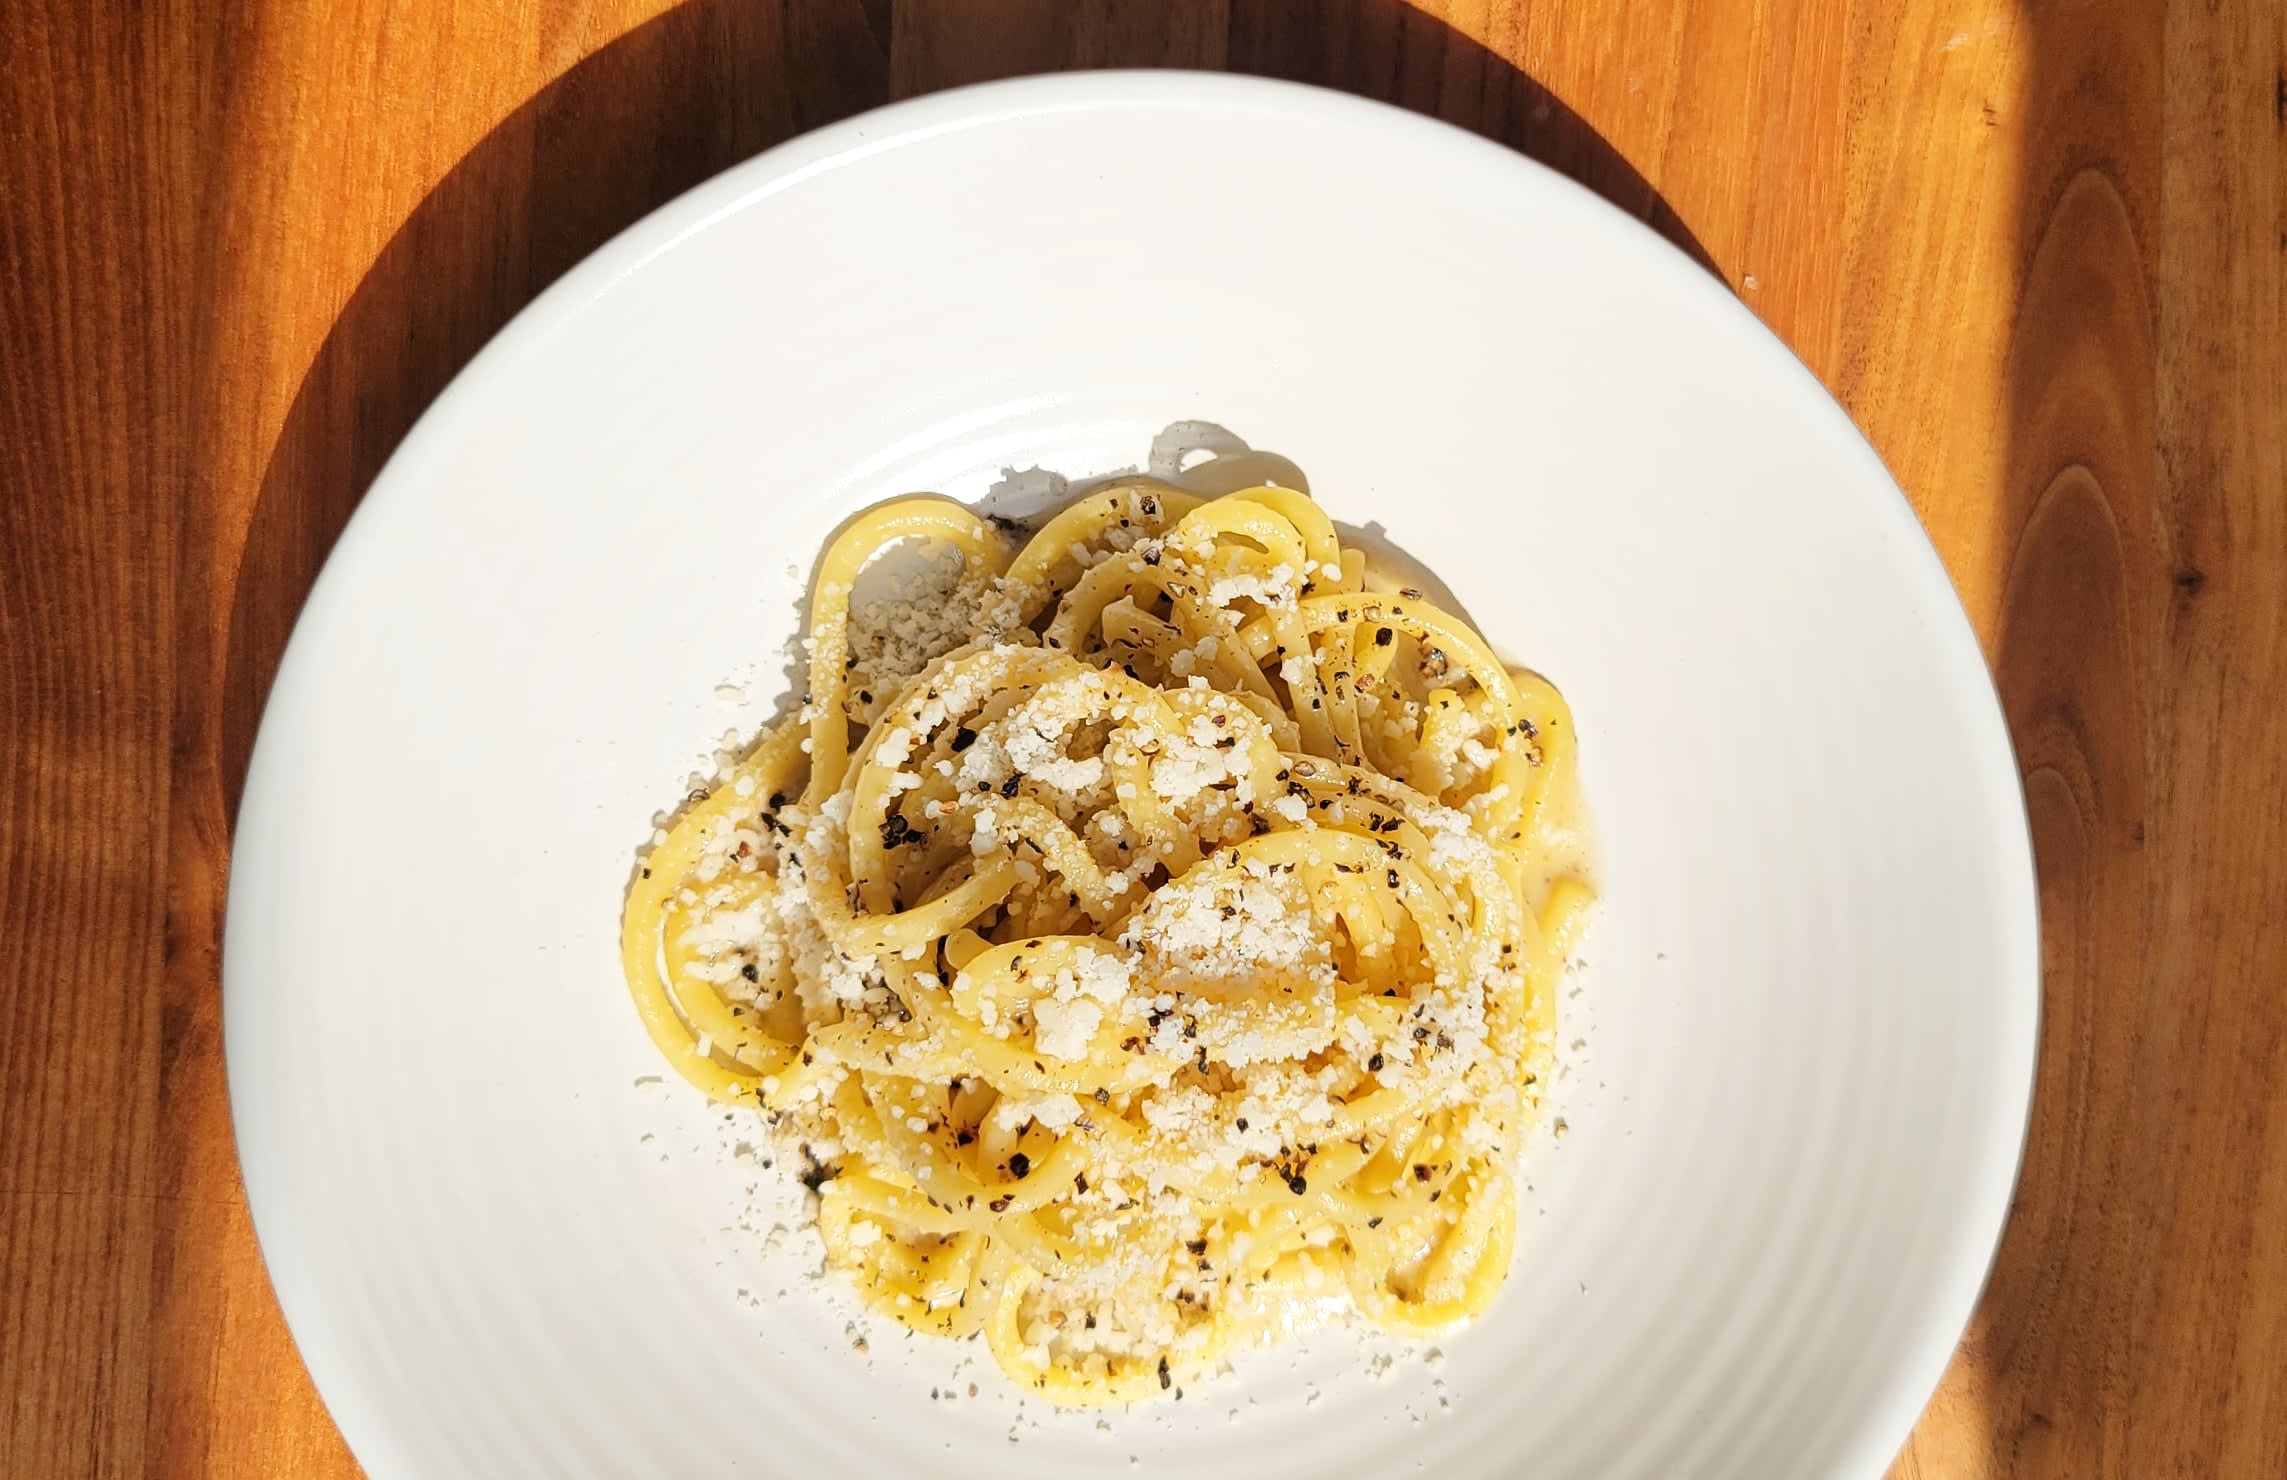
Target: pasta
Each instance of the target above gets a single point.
(1149, 932)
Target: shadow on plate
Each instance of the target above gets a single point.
(711, 83)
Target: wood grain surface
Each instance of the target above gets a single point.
(2037, 247)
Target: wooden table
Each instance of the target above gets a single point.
(2037, 247)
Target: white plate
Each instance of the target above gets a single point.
(1809, 1007)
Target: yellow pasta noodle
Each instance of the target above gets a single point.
(1150, 931)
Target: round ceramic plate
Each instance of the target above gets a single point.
(1800, 1047)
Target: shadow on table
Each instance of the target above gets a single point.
(701, 88)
